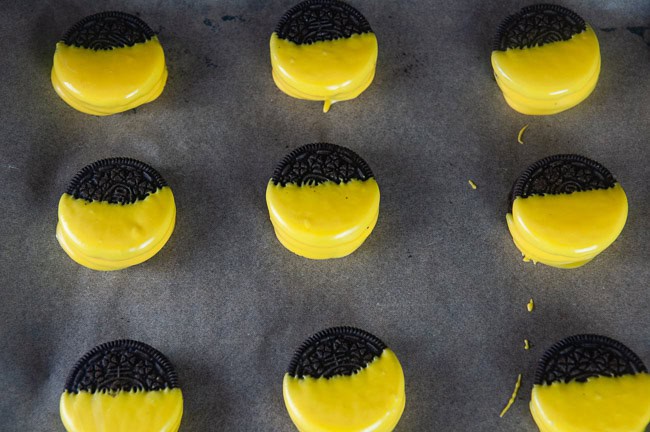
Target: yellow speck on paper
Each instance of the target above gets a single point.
(521, 134)
(526, 344)
(513, 397)
(531, 305)
(472, 184)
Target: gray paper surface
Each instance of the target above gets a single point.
(439, 279)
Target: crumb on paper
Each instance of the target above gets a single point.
(526, 344)
(530, 306)
(512, 398)
(521, 134)
(472, 184)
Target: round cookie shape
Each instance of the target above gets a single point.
(564, 210)
(546, 59)
(564, 173)
(335, 351)
(115, 213)
(116, 181)
(580, 357)
(323, 50)
(108, 63)
(318, 163)
(108, 30)
(122, 365)
(344, 379)
(538, 25)
(122, 386)
(591, 382)
(323, 201)
(321, 20)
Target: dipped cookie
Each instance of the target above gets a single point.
(344, 380)
(546, 59)
(116, 213)
(122, 386)
(590, 383)
(323, 201)
(565, 210)
(108, 63)
(323, 50)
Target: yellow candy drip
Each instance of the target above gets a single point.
(602, 404)
(550, 78)
(520, 136)
(104, 236)
(513, 398)
(143, 411)
(371, 400)
(323, 221)
(104, 82)
(567, 230)
(328, 71)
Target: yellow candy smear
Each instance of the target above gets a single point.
(550, 78)
(520, 136)
(105, 236)
(323, 221)
(143, 411)
(602, 404)
(104, 82)
(567, 230)
(371, 400)
(328, 71)
(513, 398)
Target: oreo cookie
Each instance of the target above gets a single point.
(108, 30)
(108, 63)
(116, 181)
(122, 366)
(578, 358)
(344, 378)
(561, 174)
(335, 351)
(564, 210)
(323, 201)
(122, 386)
(592, 383)
(115, 213)
(313, 164)
(546, 59)
(538, 25)
(321, 20)
(323, 50)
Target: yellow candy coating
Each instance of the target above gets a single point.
(323, 221)
(567, 230)
(551, 78)
(329, 71)
(142, 411)
(105, 236)
(372, 400)
(602, 404)
(104, 82)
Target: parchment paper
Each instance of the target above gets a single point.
(439, 279)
